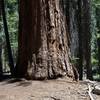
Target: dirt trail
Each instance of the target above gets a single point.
(59, 89)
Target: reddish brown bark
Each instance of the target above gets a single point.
(43, 42)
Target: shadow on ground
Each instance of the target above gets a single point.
(8, 79)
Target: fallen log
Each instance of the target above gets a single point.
(96, 90)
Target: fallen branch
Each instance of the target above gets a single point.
(95, 86)
(89, 92)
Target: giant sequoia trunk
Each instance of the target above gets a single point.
(43, 50)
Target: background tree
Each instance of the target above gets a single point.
(97, 4)
(7, 38)
(1, 71)
(0, 46)
(85, 37)
(79, 26)
(72, 12)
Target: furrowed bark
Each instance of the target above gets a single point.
(43, 40)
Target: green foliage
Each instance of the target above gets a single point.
(11, 8)
(94, 61)
(74, 60)
(95, 30)
(12, 19)
(95, 35)
(96, 3)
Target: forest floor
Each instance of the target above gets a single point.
(59, 89)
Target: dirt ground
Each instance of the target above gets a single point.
(59, 89)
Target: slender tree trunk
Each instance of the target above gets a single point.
(85, 37)
(0, 8)
(0, 46)
(98, 43)
(98, 39)
(80, 66)
(11, 64)
(43, 50)
(73, 27)
(0, 63)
